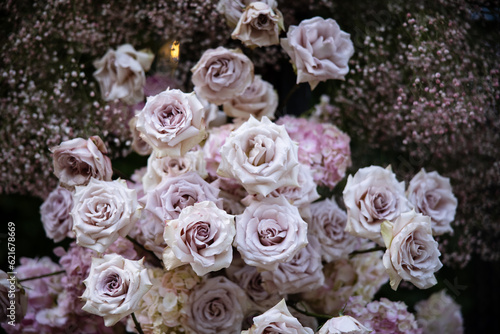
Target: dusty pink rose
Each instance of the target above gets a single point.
(343, 325)
(211, 149)
(259, 99)
(115, 287)
(222, 74)
(432, 195)
(319, 50)
(412, 253)
(77, 160)
(55, 214)
(172, 122)
(120, 74)
(233, 9)
(259, 25)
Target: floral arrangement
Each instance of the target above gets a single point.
(245, 218)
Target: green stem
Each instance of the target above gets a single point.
(121, 175)
(137, 324)
(374, 249)
(42, 276)
(311, 314)
(152, 257)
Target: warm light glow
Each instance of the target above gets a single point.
(174, 51)
(170, 51)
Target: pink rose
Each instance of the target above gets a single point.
(233, 9)
(77, 160)
(55, 214)
(222, 74)
(343, 325)
(319, 50)
(138, 144)
(172, 122)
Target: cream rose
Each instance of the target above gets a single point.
(233, 9)
(202, 236)
(222, 74)
(372, 196)
(114, 287)
(102, 212)
(259, 99)
(270, 232)
(343, 325)
(412, 253)
(261, 156)
(259, 25)
(319, 50)
(277, 320)
(432, 195)
(55, 214)
(120, 74)
(172, 122)
(77, 160)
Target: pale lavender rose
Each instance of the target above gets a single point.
(55, 214)
(439, 314)
(161, 168)
(172, 122)
(322, 146)
(261, 156)
(13, 299)
(328, 223)
(412, 253)
(202, 236)
(270, 232)
(259, 25)
(216, 306)
(103, 211)
(372, 196)
(319, 50)
(343, 325)
(120, 74)
(304, 272)
(259, 99)
(233, 9)
(76, 161)
(211, 149)
(138, 144)
(115, 287)
(277, 320)
(222, 74)
(173, 194)
(432, 195)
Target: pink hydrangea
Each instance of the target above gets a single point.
(322, 146)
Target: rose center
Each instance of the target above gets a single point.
(270, 232)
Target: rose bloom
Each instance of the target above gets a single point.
(222, 74)
(412, 253)
(259, 99)
(319, 50)
(439, 314)
(259, 25)
(343, 325)
(372, 196)
(102, 212)
(216, 306)
(211, 149)
(172, 122)
(261, 156)
(138, 144)
(77, 160)
(114, 287)
(55, 214)
(233, 9)
(202, 236)
(173, 194)
(270, 232)
(120, 74)
(277, 320)
(432, 195)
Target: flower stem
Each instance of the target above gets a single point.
(137, 324)
(362, 251)
(153, 259)
(42, 276)
(310, 314)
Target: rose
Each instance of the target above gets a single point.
(372, 196)
(328, 223)
(319, 50)
(115, 287)
(172, 122)
(439, 314)
(173, 194)
(277, 320)
(222, 74)
(211, 149)
(55, 214)
(77, 160)
(270, 232)
(259, 25)
(138, 144)
(432, 195)
(202, 236)
(259, 99)
(261, 156)
(343, 325)
(102, 212)
(120, 74)
(412, 253)
(233, 9)
(216, 306)
(10, 287)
